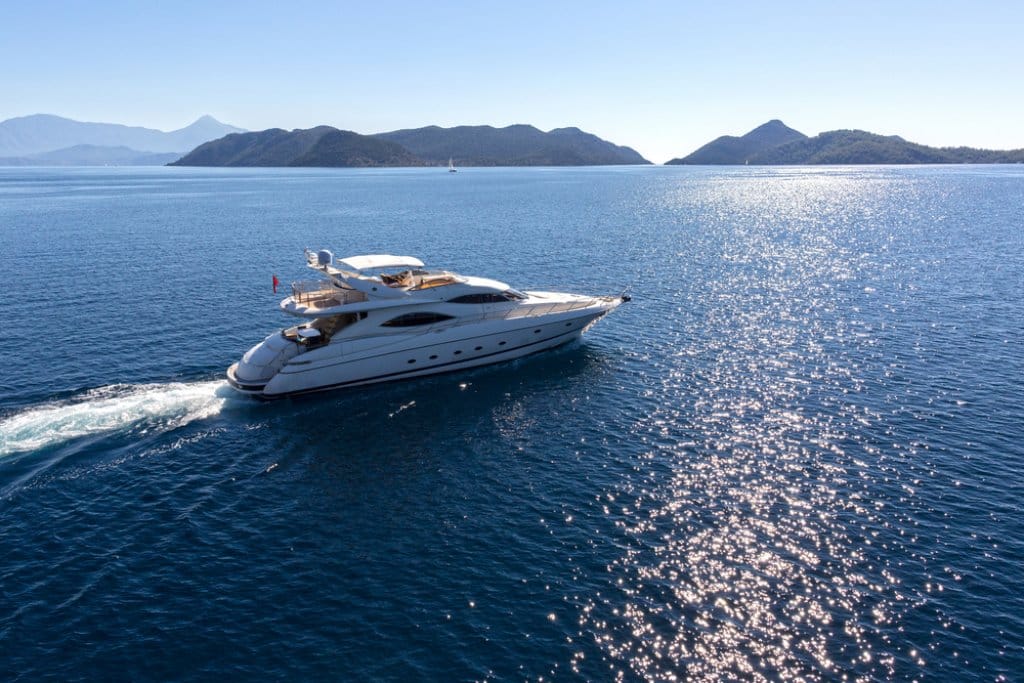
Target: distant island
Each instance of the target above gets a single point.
(775, 143)
(93, 155)
(518, 145)
(48, 140)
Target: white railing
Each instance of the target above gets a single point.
(323, 292)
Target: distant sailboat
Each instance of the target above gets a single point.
(451, 166)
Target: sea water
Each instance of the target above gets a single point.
(796, 454)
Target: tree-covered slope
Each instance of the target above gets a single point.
(518, 145)
(345, 148)
(861, 147)
(729, 149)
(775, 144)
(320, 146)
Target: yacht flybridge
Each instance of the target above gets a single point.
(378, 318)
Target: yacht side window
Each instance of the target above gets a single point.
(482, 298)
(413, 319)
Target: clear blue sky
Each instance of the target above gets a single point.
(662, 77)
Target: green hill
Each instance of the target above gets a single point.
(729, 149)
(775, 144)
(320, 146)
(861, 147)
(518, 145)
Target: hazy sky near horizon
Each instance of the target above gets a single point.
(661, 77)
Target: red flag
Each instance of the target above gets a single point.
(276, 283)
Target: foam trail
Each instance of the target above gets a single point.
(111, 409)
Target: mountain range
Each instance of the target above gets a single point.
(47, 140)
(517, 145)
(774, 143)
(44, 139)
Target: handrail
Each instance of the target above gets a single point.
(536, 310)
(324, 294)
(312, 291)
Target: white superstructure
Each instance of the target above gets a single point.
(365, 325)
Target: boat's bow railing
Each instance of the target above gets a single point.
(537, 310)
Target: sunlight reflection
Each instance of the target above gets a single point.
(750, 563)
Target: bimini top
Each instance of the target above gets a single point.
(371, 261)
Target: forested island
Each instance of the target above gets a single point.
(774, 143)
(517, 145)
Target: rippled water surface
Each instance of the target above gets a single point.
(795, 455)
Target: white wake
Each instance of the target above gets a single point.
(110, 409)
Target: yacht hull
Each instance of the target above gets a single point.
(440, 349)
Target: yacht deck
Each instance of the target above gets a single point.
(319, 294)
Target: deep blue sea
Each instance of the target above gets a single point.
(797, 454)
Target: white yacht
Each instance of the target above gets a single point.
(378, 318)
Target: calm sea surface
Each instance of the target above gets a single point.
(796, 454)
